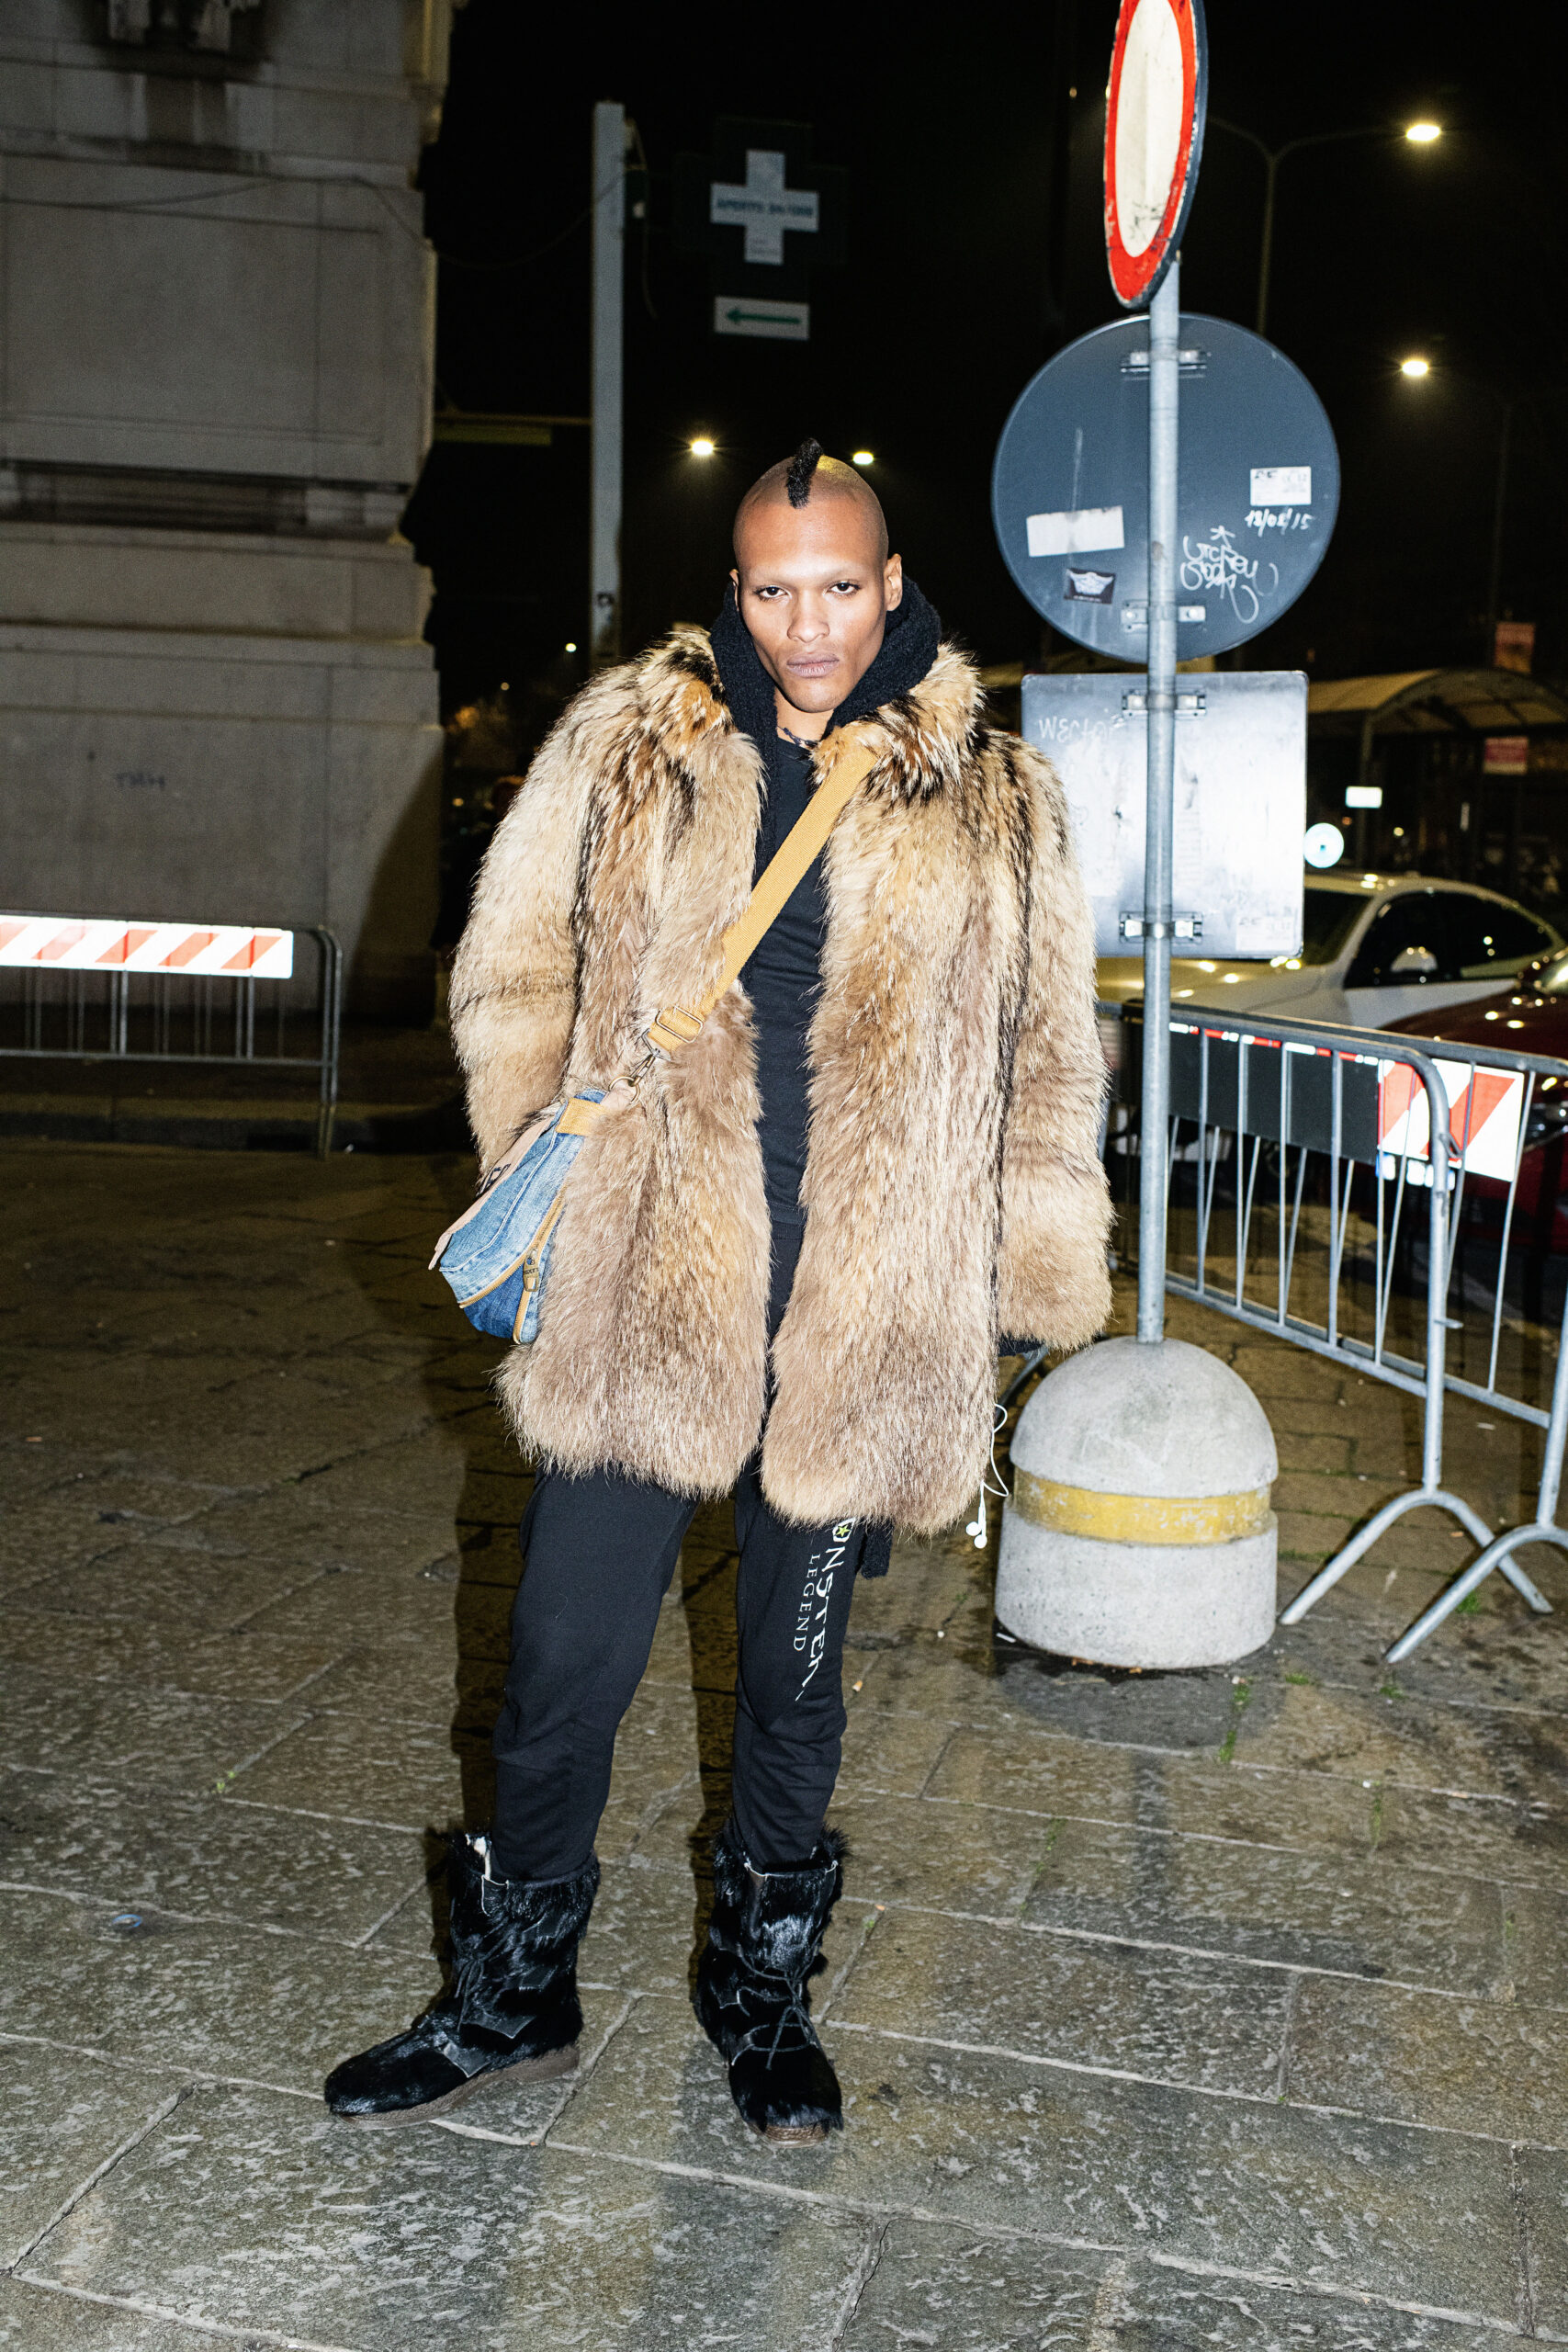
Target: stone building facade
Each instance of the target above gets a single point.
(216, 311)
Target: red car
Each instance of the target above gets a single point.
(1531, 1015)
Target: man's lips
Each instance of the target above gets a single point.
(812, 665)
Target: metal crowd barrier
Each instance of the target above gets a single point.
(103, 989)
(1377, 1200)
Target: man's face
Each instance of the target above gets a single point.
(814, 593)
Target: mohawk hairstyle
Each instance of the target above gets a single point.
(802, 466)
(795, 477)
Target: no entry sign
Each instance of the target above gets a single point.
(1154, 139)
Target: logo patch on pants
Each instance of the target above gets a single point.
(811, 1614)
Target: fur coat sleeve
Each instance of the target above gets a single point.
(514, 995)
(1052, 1277)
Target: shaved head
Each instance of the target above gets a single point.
(809, 478)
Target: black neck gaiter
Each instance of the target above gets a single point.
(908, 649)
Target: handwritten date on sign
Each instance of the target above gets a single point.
(1278, 518)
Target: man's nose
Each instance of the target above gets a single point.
(809, 622)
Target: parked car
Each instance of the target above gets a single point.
(1377, 948)
(1533, 1017)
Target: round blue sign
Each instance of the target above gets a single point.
(1258, 493)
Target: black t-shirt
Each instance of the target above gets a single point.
(782, 978)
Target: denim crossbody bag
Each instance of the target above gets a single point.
(497, 1256)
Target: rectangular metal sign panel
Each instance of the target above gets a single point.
(1240, 800)
(748, 314)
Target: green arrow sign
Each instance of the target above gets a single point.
(780, 321)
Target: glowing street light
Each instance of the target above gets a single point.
(703, 448)
(864, 457)
(1419, 134)
(1415, 367)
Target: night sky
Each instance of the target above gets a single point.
(973, 140)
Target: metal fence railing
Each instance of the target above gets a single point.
(1387, 1205)
(174, 994)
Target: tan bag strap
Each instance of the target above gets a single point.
(785, 870)
(677, 1024)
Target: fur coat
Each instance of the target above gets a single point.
(954, 1185)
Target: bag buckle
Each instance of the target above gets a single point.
(673, 1028)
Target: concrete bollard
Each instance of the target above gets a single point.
(1139, 1532)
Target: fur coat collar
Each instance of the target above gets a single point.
(953, 1187)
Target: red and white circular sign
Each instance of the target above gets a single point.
(1154, 137)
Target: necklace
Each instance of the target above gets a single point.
(802, 742)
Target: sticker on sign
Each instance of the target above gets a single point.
(1281, 486)
(1084, 530)
(1484, 1109)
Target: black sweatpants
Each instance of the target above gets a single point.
(599, 1553)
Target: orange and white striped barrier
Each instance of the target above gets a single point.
(1484, 1110)
(57, 944)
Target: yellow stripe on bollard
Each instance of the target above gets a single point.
(1139, 1519)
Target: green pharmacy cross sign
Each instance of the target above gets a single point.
(762, 213)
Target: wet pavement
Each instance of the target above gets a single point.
(1204, 2009)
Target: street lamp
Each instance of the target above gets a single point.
(863, 458)
(1414, 367)
(702, 446)
(1418, 134)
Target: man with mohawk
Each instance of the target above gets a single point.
(783, 1265)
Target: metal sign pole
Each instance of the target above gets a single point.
(605, 518)
(1165, 319)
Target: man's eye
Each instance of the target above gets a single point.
(845, 587)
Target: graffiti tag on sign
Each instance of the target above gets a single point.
(1218, 565)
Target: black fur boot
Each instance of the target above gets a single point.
(512, 2014)
(752, 1997)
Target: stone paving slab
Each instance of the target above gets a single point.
(402, 1682)
(355, 1604)
(934, 2286)
(295, 1522)
(189, 1999)
(1364, 1918)
(1484, 1662)
(1405, 1740)
(1253, 2187)
(205, 1859)
(902, 1849)
(180, 1586)
(947, 2287)
(1509, 1839)
(1455, 2066)
(1541, 2179)
(135, 1737)
(216, 1666)
(65, 2115)
(972, 1983)
(387, 2240)
(42, 2319)
(1535, 1932)
(360, 1767)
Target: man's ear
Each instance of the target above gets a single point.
(735, 588)
(893, 583)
